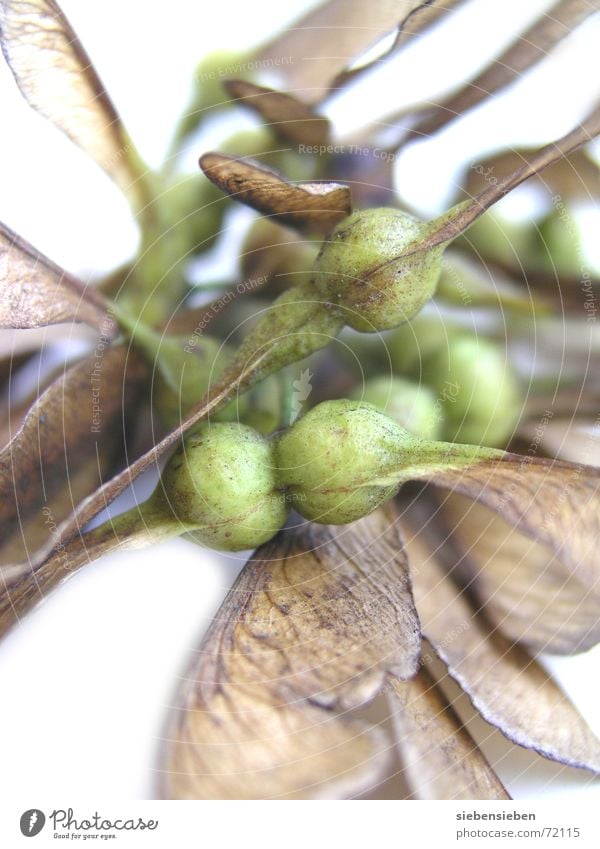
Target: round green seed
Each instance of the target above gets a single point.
(477, 390)
(358, 268)
(222, 485)
(329, 458)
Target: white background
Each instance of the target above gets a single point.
(88, 677)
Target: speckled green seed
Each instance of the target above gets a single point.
(410, 404)
(328, 457)
(355, 269)
(222, 485)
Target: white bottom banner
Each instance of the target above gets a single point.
(300, 825)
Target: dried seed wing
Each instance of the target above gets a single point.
(442, 761)
(313, 207)
(58, 79)
(35, 292)
(305, 634)
(289, 118)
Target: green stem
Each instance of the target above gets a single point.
(140, 333)
(298, 323)
(285, 394)
(429, 459)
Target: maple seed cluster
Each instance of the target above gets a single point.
(233, 487)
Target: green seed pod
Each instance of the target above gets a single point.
(557, 244)
(413, 344)
(477, 390)
(356, 269)
(411, 405)
(222, 486)
(329, 456)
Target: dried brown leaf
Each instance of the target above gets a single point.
(9, 362)
(234, 747)
(288, 117)
(441, 759)
(76, 425)
(58, 79)
(554, 502)
(308, 630)
(313, 207)
(31, 532)
(35, 292)
(522, 587)
(423, 15)
(414, 22)
(529, 49)
(460, 217)
(574, 177)
(13, 413)
(314, 54)
(508, 688)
